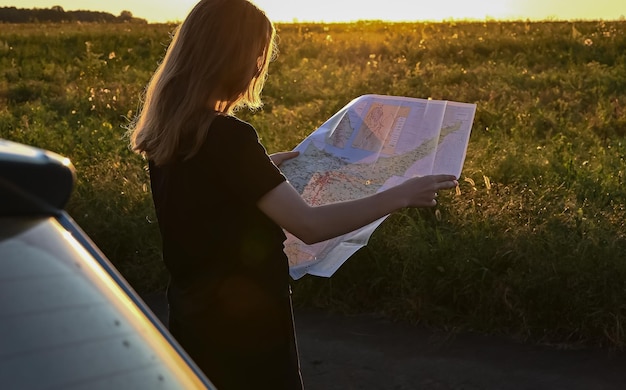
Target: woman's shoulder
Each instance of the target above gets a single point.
(225, 127)
(229, 130)
(229, 121)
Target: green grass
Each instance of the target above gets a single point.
(533, 245)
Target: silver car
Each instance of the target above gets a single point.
(68, 319)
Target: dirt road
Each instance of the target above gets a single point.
(370, 353)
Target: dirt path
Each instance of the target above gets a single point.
(370, 353)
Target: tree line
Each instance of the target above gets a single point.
(57, 14)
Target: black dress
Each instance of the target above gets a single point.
(229, 296)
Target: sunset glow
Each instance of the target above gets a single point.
(353, 10)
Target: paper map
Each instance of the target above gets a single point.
(374, 142)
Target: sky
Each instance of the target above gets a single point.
(158, 11)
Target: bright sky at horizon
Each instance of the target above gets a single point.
(159, 11)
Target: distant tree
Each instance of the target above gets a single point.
(125, 16)
(11, 15)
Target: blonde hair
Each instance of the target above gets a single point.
(216, 63)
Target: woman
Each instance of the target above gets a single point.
(222, 203)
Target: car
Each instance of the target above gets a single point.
(68, 318)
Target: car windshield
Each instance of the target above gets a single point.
(64, 323)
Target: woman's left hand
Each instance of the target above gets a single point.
(280, 157)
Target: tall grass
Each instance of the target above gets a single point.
(532, 245)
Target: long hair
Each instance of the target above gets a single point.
(216, 63)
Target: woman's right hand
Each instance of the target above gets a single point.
(423, 191)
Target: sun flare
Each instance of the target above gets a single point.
(393, 10)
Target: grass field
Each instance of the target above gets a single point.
(533, 245)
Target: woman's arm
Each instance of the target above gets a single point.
(312, 224)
